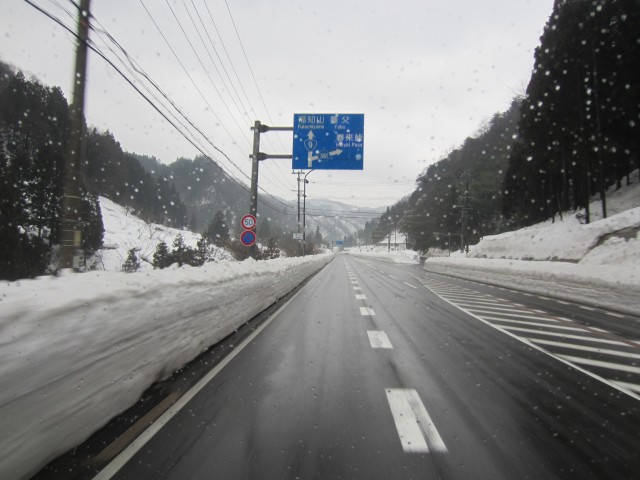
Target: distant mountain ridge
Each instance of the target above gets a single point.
(205, 188)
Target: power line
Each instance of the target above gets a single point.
(191, 78)
(249, 65)
(92, 46)
(205, 71)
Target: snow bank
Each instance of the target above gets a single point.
(77, 350)
(567, 240)
(608, 286)
(604, 256)
(381, 254)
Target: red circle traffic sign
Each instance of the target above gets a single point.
(248, 238)
(248, 222)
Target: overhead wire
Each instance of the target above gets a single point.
(235, 142)
(243, 111)
(198, 147)
(206, 73)
(249, 65)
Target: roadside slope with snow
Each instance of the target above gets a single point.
(596, 263)
(124, 231)
(77, 350)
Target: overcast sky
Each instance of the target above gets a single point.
(425, 73)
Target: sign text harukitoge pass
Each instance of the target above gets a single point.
(328, 141)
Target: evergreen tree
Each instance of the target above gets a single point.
(217, 231)
(132, 263)
(202, 253)
(579, 127)
(181, 253)
(162, 256)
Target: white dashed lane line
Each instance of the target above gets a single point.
(378, 339)
(415, 428)
(367, 312)
(361, 297)
(409, 285)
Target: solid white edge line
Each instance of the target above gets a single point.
(127, 454)
(546, 352)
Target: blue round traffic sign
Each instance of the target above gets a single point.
(248, 238)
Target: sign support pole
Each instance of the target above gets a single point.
(256, 156)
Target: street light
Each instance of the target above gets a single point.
(304, 213)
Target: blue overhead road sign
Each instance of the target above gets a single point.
(328, 141)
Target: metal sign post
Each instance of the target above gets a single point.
(256, 156)
(331, 141)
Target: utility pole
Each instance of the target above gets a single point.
(71, 234)
(299, 173)
(304, 213)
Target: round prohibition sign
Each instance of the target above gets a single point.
(248, 238)
(248, 222)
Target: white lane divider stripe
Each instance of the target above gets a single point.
(360, 296)
(493, 310)
(536, 324)
(601, 364)
(584, 348)
(357, 288)
(367, 312)
(415, 428)
(393, 277)
(378, 339)
(409, 285)
(513, 317)
(562, 335)
(629, 386)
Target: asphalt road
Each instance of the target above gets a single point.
(381, 371)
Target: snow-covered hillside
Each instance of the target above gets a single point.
(613, 240)
(124, 231)
(596, 263)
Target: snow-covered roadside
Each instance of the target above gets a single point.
(608, 286)
(77, 350)
(596, 263)
(381, 254)
(124, 231)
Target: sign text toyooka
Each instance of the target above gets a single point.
(328, 141)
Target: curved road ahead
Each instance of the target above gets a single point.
(382, 371)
